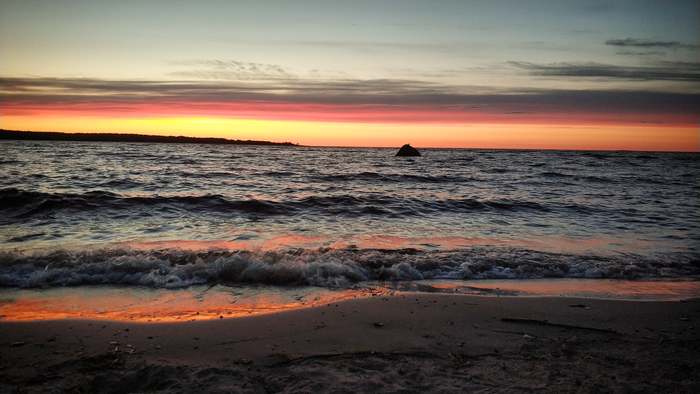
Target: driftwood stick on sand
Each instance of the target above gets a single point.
(560, 325)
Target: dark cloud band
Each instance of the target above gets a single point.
(666, 71)
(637, 43)
(394, 95)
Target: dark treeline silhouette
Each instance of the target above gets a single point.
(114, 137)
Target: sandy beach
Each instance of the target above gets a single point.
(402, 343)
(350, 197)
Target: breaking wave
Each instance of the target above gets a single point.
(172, 268)
(20, 204)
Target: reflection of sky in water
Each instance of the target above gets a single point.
(205, 303)
(602, 245)
(641, 290)
(149, 305)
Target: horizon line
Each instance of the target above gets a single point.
(300, 145)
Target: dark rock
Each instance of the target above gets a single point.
(408, 150)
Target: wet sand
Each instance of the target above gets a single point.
(403, 343)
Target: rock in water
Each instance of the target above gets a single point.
(408, 150)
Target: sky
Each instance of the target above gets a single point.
(484, 74)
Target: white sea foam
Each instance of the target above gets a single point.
(320, 267)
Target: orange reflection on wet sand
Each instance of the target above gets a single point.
(155, 305)
(204, 303)
(587, 288)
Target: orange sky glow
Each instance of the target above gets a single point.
(463, 75)
(594, 132)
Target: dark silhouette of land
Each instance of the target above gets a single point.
(114, 137)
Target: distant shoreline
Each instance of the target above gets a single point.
(9, 135)
(115, 137)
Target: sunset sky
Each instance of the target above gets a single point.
(503, 74)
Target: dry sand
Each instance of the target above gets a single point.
(405, 343)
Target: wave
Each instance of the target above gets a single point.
(24, 204)
(124, 183)
(368, 176)
(16, 203)
(598, 155)
(205, 174)
(173, 268)
(587, 178)
(496, 170)
(277, 174)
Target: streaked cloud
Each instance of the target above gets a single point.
(627, 52)
(640, 43)
(230, 70)
(379, 100)
(666, 71)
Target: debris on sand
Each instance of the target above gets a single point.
(584, 306)
(560, 325)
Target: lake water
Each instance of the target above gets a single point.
(178, 215)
